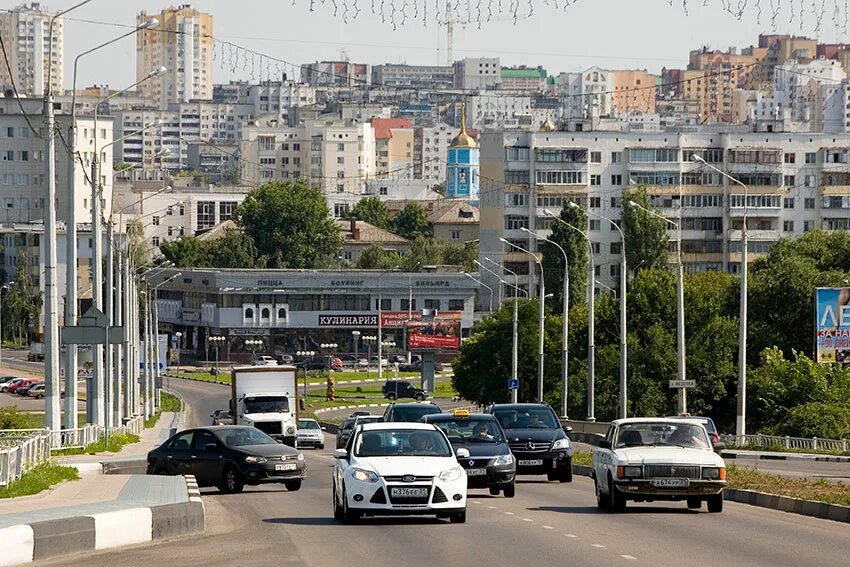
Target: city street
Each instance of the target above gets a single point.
(547, 523)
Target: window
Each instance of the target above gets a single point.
(811, 157)
(432, 304)
(155, 220)
(754, 156)
(552, 155)
(9, 155)
(266, 143)
(660, 155)
(596, 247)
(595, 202)
(455, 235)
(412, 307)
(615, 202)
(155, 241)
(514, 222)
(340, 160)
(594, 224)
(560, 177)
(788, 203)
(249, 313)
(789, 180)
(206, 215)
(596, 180)
(516, 200)
(340, 147)
(384, 305)
(616, 247)
(456, 304)
(789, 158)
(226, 210)
(616, 179)
(808, 225)
(516, 153)
(25, 155)
(595, 157)
(756, 201)
(809, 203)
(614, 270)
(788, 226)
(516, 176)
(550, 201)
(616, 157)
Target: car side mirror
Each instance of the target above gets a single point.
(462, 453)
(567, 429)
(212, 447)
(340, 454)
(604, 444)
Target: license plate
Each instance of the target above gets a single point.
(287, 467)
(409, 492)
(531, 463)
(476, 472)
(671, 483)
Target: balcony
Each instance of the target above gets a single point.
(755, 235)
(738, 212)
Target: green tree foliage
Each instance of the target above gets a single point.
(575, 246)
(647, 242)
(140, 250)
(290, 225)
(22, 303)
(423, 252)
(411, 222)
(371, 210)
(234, 250)
(188, 252)
(376, 258)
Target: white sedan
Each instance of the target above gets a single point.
(399, 468)
(647, 459)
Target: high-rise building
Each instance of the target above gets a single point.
(393, 148)
(634, 89)
(182, 43)
(29, 50)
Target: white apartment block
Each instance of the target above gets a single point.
(588, 94)
(29, 49)
(796, 183)
(421, 76)
(477, 73)
(280, 99)
(336, 73)
(431, 150)
(182, 43)
(336, 155)
(23, 166)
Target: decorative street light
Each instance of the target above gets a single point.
(369, 339)
(253, 344)
(178, 335)
(355, 335)
(216, 340)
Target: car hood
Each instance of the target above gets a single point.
(268, 450)
(398, 466)
(482, 449)
(541, 435)
(667, 455)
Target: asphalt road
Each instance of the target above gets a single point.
(546, 524)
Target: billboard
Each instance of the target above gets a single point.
(443, 333)
(398, 319)
(832, 325)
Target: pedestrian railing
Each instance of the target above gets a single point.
(759, 441)
(17, 460)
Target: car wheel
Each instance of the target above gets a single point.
(392, 397)
(458, 518)
(321, 447)
(161, 471)
(566, 474)
(601, 497)
(509, 490)
(694, 503)
(338, 511)
(715, 503)
(349, 516)
(419, 397)
(293, 485)
(616, 499)
(552, 475)
(494, 491)
(231, 483)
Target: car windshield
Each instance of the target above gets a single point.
(369, 419)
(348, 423)
(471, 430)
(242, 436)
(527, 418)
(266, 404)
(402, 443)
(413, 414)
(308, 424)
(661, 434)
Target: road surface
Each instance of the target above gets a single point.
(546, 524)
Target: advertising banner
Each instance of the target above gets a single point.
(397, 319)
(832, 324)
(443, 333)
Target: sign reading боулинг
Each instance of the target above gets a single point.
(832, 324)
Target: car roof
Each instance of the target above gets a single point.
(396, 425)
(307, 419)
(417, 405)
(448, 416)
(670, 420)
(520, 406)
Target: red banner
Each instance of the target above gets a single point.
(397, 319)
(439, 334)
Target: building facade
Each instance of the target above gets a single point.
(393, 148)
(32, 55)
(477, 73)
(430, 77)
(336, 73)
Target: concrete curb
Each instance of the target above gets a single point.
(104, 530)
(325, 410)
(758, 456)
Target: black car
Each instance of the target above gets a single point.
(229, 457)
(490, 463)
(395, 389)
(537, 440)
(345, 432)
(415, 366)
(410, 413)
(716, 442)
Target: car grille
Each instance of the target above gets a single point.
(282, 458)
(270, 427)
(439, 496)
(415, 478)
(671, 471)
(539, 447)
(379, 497)
(475, 463)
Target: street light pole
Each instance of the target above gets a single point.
(482, 284)
(542, 322)
(741, 420)
(355, 335)
(514, 346)
(680, 305)
(624, 399)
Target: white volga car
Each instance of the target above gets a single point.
(647, 459)
(399, 468)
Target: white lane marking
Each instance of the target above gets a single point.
(492, 507)
(548, 528)
(509, 513)
(574, 536)
(597, 545)
(629, 557)
(476, 502)
(527, 520)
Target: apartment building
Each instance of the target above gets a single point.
(430, 148)
(280, 98)
(587, 94)
(30, 52)
(183, 44)
(796, 183)
(477, 73)
(430, 77)
(393, 148)
(524, 79)
(634, 90)
(336, 73)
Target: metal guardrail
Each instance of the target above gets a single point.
(768, 441)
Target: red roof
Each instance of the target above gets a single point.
(383, 126)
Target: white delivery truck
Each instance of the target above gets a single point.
(266, 398)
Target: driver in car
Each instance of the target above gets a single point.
(481, 432)
(420, 443)
(684, 436)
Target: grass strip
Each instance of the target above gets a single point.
(40, 477)
(779, 448)
(116, 443)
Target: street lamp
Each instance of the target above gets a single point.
(355, 335)
(253, 344)
(217, 341)
(741, 421)
(178, 335)
(623, 346)
(369, 339)
(565, 359)
(6, 287)
(680, 304)
(542, 319)
(514, 346)
(484, 285)
(591, 299)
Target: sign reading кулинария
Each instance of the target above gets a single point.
(832, 324)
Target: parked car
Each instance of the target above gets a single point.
(374, 361)
(648, 459)
(229, 457)
(36, 391)
(25, 390)
(409, 412)
(13, 389)
(359, 412)
(415, 366)
(264, 360)
(285, 359)
(7, 381)
(310, 434)
(396, 389)
(710, 428)
(322, 363)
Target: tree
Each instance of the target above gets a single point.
(290, 225)
(371, 210)
(22, 302)
(234, 250)
(188, 252)
(139, 249)
(376, 258)
(412, 222)
(463, 255)
(575, 246)
(647, 241)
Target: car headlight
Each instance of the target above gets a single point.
(300, 456)
(561, 444)
(632, 472)
(504, 460)
(451, 474)
(364, 475)
(254, 459)
(290, 430)
(714, 473)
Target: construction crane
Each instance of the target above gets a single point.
(452, 19)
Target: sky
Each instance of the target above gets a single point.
(649, 34)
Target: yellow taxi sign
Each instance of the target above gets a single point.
(461, 413)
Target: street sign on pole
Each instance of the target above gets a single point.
(513, 384)
(683, 383)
